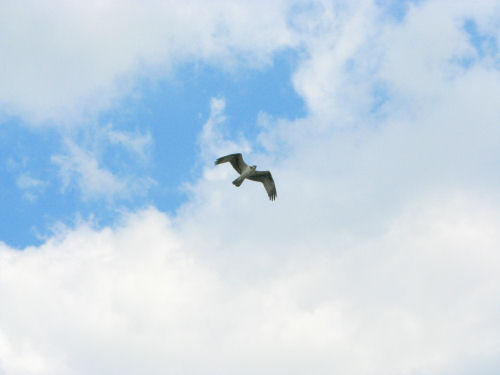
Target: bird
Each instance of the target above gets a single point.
(249, 172)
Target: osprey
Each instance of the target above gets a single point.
(249, 172)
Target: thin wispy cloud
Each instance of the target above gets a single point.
(212, 140)
(80, 168)
(30, 185)
(134, 142)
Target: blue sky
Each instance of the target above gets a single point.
(123, 249)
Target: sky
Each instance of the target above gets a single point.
(123, 249)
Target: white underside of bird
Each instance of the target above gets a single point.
(247, 172)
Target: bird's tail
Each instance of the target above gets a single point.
(238, 181)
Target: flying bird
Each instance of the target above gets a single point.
(250, 173)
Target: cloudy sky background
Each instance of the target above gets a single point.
(124, 250)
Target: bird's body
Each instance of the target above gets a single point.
(249, 172)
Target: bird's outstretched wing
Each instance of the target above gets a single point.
(236, 161)
(267, 179)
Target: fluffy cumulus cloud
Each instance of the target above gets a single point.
(160, 297)
(380, 255)
(64, 61)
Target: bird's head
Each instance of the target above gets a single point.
(254, 167)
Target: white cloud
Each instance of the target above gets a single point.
(416, 297)
(82, 167)
(31, 186)
(135, 142)
(25, 182)
(65, 60)
(414, 59)
(212, 138)
(380, 255)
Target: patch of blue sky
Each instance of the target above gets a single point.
(30, 195)
(396, 9)
(463, 61)
(484, 44)
(172, 111)
(380, 95)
